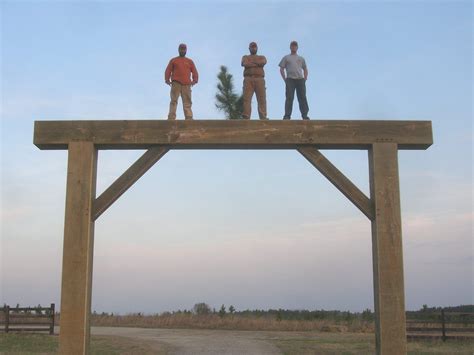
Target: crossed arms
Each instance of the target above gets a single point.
(253, 61)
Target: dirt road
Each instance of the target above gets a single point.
(192, 341)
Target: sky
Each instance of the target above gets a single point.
(253, 229)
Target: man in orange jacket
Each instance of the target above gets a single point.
(181, 75)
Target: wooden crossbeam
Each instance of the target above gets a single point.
(126, 180)
(233, 134)
(338, 179)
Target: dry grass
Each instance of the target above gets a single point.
(235, 322)
(21, 343)
(351, 343)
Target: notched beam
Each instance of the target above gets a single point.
(233, 134)
(338, 179)
(126, 180)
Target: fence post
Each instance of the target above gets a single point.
(51, 327)
(443, 325)
(7, 317)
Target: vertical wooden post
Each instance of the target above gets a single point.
(7, 317)
(387, 251)
(76, 288)
(443, 324)
(51, 326)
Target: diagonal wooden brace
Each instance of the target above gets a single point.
(126, 180)
(338, 179)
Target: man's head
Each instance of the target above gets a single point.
(253, 48)
(294, 46)
(182, 50)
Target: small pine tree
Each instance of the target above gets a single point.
(226, 99)
(222, 311)
(231, 309)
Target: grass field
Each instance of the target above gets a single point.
(235, 322)
(290, 343)
(20, 343)
(306, 343)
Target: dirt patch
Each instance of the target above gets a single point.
(192, 341)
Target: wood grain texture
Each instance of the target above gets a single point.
(387, 250)
(233, 134)
(76, 288)
(339, 180)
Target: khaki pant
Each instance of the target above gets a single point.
(178, 89)
(256, 85)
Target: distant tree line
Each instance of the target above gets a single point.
(433, 313)
(203, 309)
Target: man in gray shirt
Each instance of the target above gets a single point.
(295, 79)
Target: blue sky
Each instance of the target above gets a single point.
(256, 229)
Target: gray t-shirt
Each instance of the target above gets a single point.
(294, 65)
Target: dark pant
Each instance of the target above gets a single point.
(300, 86)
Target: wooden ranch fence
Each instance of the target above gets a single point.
(26, 319)
(442, 325)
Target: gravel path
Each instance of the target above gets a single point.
(192, 341)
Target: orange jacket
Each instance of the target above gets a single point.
(180, 69)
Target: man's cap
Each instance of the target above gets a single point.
(182, 45)
(253, 44)
(294, 43)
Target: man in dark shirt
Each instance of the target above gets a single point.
(254, 81)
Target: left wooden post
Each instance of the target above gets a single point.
(78, 249)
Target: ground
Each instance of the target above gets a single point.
(142, 341)
(194, 341)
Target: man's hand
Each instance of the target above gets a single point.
(282, 73)
(193, 83)
(168, 82)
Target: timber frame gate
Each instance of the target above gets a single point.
(381, 139)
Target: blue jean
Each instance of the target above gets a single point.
(300, 86)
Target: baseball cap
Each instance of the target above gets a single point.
(253, 44)
(294, 43)
(182, 45)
